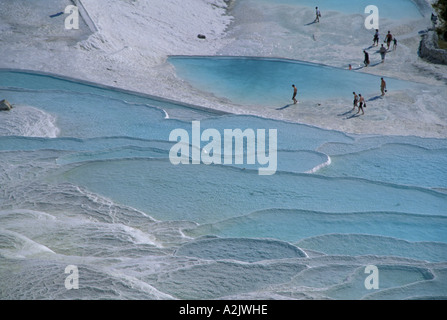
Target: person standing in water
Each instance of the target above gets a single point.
(318, 14)
(362, 104)
(394, 43)
(295, 90)
(382, 86)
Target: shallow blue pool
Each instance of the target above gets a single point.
(396, 9)
(268, 82)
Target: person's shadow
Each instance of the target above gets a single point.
(374, 98)
(375, 64)
(313, 22)
(286, 106)
(344, 114)
(354, 116)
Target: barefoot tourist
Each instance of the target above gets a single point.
(382, 86)
(362, 104)
(356, 101)
(295, 90)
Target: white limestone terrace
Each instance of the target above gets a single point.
(135, 37)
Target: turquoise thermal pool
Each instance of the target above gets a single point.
(268, 82)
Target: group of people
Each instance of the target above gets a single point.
(383, 51)
(359, 100)
(388, 39)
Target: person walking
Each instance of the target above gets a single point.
(362, 104)
(356, 101)
(295, 90)
(318, 14)
(376, 38)
(382, 86)
(383, 52)
(388, 39)
(366, 60)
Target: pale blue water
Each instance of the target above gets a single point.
(397, 9)
(103, 195)
(34, 81)
(268, 82)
